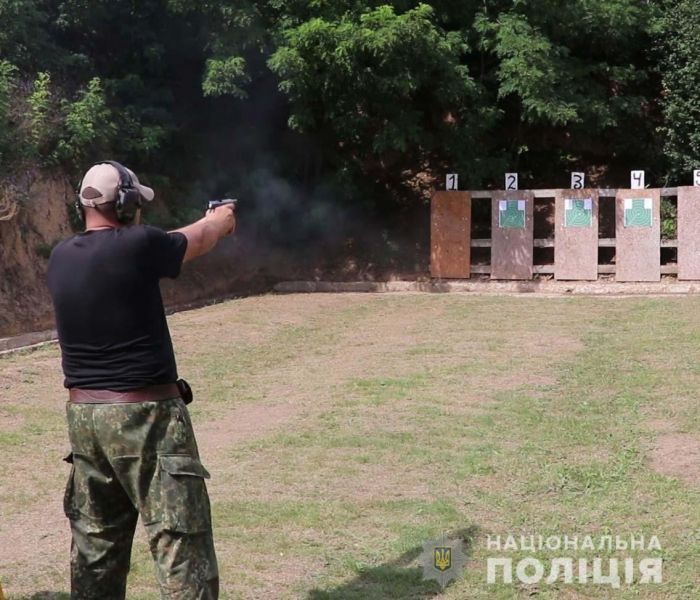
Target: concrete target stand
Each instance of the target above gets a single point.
(512, 234)
(688, 233)
(576, 235)
(637, 235)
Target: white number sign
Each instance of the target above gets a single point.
(511, 181)
(452, 182)
(577, 181)
(696, 177)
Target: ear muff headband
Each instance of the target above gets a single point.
(128, 199)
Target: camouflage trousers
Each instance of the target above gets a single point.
(130, 460)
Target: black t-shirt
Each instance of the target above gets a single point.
(109, 311)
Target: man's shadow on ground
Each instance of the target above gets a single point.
(398, 579)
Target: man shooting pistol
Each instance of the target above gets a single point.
(133, 450)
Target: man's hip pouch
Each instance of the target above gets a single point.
(152, 393)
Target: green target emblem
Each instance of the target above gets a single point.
(511, 214)
(638, 212)
(578, 212)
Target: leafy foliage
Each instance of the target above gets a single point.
(8, 74)
(680, 67)
(225, 76)
(383, 90)
(370, 98)
(88, 124)
(572, 77)
(40, 102)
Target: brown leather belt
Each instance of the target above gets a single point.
(152, 393)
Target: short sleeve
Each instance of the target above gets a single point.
(166, 251)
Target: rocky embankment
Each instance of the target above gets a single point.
(33, 220)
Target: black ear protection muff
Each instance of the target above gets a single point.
(79, 208)
(128, 196)
(128, 199)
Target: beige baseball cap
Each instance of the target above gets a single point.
(101, 183)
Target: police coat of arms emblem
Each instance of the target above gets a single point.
(442, 560)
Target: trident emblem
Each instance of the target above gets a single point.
(443, 558)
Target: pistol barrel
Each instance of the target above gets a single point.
(212, 204)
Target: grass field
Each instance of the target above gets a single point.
(344, 431)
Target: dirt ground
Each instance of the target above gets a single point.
(676, 454)
(333, 402)
(37, 532)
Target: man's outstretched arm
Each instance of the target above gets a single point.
(203, 235)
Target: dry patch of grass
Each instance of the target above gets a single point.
(677, 455)
(343, 431)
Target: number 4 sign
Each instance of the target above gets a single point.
(637, 180)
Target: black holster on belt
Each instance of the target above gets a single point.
(185, 391)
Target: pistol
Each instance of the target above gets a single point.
(216, 203)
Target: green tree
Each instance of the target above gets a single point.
(573, 79)
(8, 73)
(386, 95)
(478, 87)
(385, 92)
(89, 126)
(680, 68)
(25, 37)
(40, 104)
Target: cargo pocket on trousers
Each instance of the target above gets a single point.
(69, 494)
(184, 503)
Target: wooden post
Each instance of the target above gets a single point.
(450, 235)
